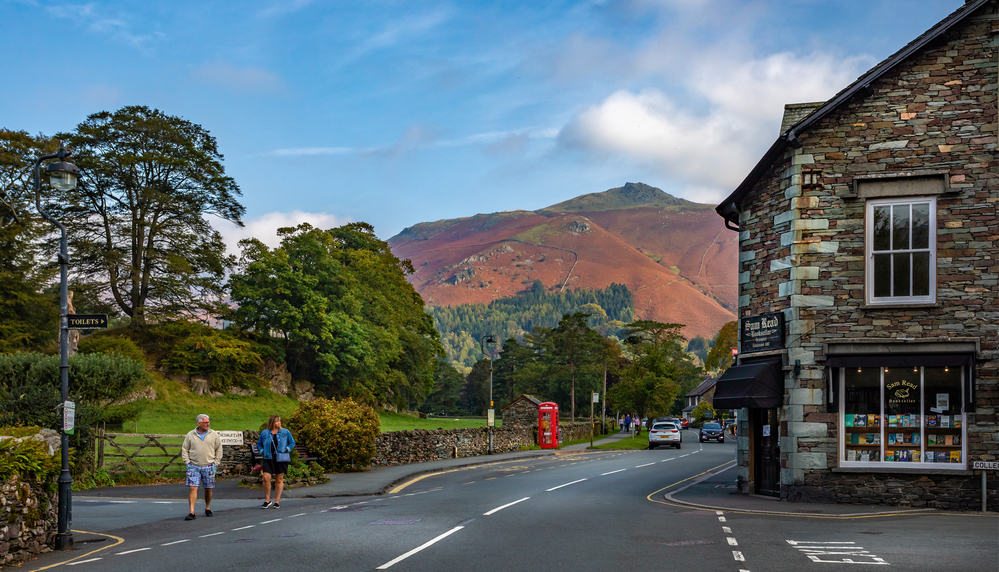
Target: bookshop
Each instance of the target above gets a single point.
(902, 410)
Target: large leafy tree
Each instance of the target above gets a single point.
(340, 300)
(138, 221)
(659, 370)
(720, 355)
(28, 317)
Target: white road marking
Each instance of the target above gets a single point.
(738, 556)
(427, 544)
(721, 519)
(499, 508)
(732, 541)
(270, 521)
(848, 552)
(670, 459)
(83, 561)
(136, 550)
(122, 501)
(175, 542)
(565, 485)
(645, 465)
(612, 472)
(244, 527)
(726, 530)
(719, 513)
(166, 502)
(299, 514)
(212, 534)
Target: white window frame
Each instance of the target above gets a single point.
(869, 252)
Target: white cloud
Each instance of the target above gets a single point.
(264, 227)
(98, 21)
(710, 140)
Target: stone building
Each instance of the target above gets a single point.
(521, 412)
(869, 283)
(705, 391)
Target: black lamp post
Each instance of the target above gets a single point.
(62, 176)
(489, 339)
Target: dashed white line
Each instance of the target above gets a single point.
(212, 534)
(645, 465)
(83, 561)
(721, 519)
(299, 514)
(612, 472)
(244, 527)
(565, 485)
(166, 502)
(499, 508)
(738, 556)
(726, 530)
(175, 542)
(426, 544)
(270, 521)
(131, 551)
(732, 541)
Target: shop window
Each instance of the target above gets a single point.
(902, 416)
(901, 251)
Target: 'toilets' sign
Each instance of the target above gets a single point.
(87, 321)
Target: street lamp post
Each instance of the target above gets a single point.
(62, 176)
(489, 339)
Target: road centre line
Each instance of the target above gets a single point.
(270, 521)
(499, 508)
(84, 561)
(426, 544)
(244, 527)
(212, 534)
(175, 542)
(565, 485)
(134, 550)
(645, 465)
(738, 556)
(732, 541)
(612, 472)
(726, 530)
(295, 515)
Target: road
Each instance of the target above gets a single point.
(587, 510)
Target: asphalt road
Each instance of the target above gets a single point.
(587, 510)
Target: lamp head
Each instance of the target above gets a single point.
(62, 175)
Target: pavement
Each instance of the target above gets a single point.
(714, 489)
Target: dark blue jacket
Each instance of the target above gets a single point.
(285, 442)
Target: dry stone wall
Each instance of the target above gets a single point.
(28, 513)
(422, 445)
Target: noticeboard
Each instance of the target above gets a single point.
(762, 332)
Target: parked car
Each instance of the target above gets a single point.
(665, 433)
(712, 431)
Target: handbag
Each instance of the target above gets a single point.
(279, 457)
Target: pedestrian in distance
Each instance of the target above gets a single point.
(275, 444)
(201, 452)
(627, 423)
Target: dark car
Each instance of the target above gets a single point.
(712, 431)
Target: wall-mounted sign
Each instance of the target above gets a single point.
(87, 321)
(231, 437)
(763, 332)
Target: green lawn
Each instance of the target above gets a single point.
(640, 442)
(175, 408)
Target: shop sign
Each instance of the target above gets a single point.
(902, 392)
(763, 332)
(985, 465)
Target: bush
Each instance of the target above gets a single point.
(30, 460)
(106, 344)
(222, 358)
(341, 433)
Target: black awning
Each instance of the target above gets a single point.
(756, 384)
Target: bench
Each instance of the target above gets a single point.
(303, 454)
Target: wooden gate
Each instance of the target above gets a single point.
(152, 455)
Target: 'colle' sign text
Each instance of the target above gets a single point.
(763, 332)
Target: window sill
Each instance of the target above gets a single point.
(902, 306)
(928, 469)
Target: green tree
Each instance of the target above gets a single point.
(446, 395)
(349, 319)
(28, 317)
(720, 355)
(137, 222)
(703, 410)
(659, 370)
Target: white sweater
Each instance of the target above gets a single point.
(194, 451)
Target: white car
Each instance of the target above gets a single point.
(664, 433)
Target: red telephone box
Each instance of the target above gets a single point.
(548, 425)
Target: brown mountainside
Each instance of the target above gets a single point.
(676, 256)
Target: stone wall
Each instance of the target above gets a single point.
(238, 459)
(28, 513)
(422, 445)
(802, 251)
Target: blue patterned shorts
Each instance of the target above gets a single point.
(201, 476)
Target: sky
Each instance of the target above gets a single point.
(400, 112)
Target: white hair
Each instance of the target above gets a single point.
(202, 416)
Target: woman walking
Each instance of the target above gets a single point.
(275, 444)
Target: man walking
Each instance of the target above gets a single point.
(201, 451)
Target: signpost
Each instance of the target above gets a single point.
(87, 321)
(984, 467)
(68, 417)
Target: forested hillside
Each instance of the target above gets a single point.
(462, 327)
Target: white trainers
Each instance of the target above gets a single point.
(267, 504)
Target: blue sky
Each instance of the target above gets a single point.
(399, 112)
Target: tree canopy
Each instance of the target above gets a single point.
(350, 320)
(137, 222)
(720, 355)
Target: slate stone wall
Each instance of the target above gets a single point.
(422, 445)
(802, 252)
(28, 513)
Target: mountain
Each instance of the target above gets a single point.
(676, 256)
